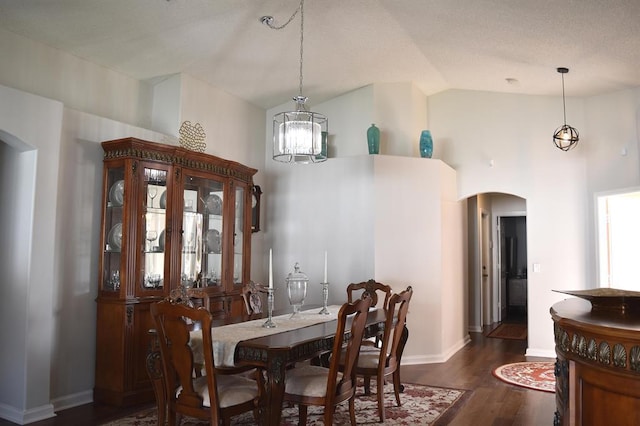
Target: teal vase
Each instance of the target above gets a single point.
(323, 151)
(373, 139)
(426, 144)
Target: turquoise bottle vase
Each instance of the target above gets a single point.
(373, 139)
(426, 144)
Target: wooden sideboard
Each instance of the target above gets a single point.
(598, 365)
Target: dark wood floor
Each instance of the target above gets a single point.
(491, 403)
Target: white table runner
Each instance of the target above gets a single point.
(226, 337)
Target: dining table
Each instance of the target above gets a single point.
(271, 350)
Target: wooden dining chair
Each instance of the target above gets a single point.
(251, 294)
(371, 288)
(212, 397)
(384, 361)
(314, 385)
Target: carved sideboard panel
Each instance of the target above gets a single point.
(598, 359)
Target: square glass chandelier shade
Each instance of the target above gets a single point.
(298, 136)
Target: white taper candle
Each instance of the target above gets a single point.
(325, 267)
(270, 268)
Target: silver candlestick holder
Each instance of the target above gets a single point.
(269, 322)
(325, 297)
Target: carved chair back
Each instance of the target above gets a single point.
(373, 288)
(187, 391)
(251, 293)
(338, 390)
(190, 296)
(173, 321)
(394, 327)
(384, 361)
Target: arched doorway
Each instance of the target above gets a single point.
(497, 259)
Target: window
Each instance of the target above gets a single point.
(619, 240)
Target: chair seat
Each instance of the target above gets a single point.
(308, 380)
(369, 357)
(232, 390)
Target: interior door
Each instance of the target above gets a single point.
(503, 265)
(485, 261)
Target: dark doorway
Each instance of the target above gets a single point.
(513, 234)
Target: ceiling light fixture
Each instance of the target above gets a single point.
(565, 136)
(298, 135)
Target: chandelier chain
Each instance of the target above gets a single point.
(301, 41)
(268, 21)
(564, 105)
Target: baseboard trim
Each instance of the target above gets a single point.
(475, 329)
(73, 400)
(542, 353)
(437, 358)
(23, 417)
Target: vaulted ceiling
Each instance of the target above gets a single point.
(509, 46)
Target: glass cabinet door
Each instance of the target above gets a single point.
(154, 226)
(238, 236)
(113, 229)
(202, 231)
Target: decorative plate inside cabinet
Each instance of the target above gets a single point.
(115, 237)
(213, 241)
(116, 193)
(161, 241)
(163, 200)
(213, 204)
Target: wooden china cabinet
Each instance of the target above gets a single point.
(171, 217)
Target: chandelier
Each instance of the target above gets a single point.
(565, 136)
(298, 136)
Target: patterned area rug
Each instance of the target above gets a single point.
(536, 375)
(421, 405)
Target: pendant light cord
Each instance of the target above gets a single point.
(268, 21)
(301, 41)
(564, 106)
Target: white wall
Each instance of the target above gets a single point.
(420, 240)
(15, 232)
(400, 111)
(234, 128)
(515, 132)
(79, 84)
(391, 218)
(474, 262)
(455, 275)
(613, 156)
(316, 208)
(28, 287)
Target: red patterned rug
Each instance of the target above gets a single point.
(421, 405)
(537, 375)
